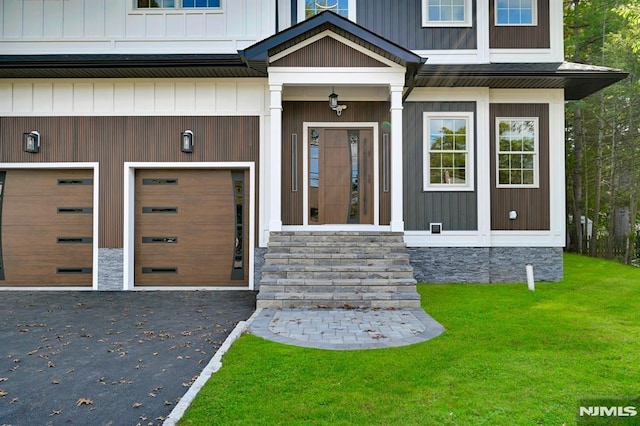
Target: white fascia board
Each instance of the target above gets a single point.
(96, 206)
(524, 56)
(129, 213)
(450, 56)
(336, 76)
(448, 94)
(526, 96)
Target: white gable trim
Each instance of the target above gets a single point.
(347, 42)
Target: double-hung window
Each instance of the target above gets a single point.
(448, 151)
(517, 152)
(177, 4)
(446, 13)
(516, 12)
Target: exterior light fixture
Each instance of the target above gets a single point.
(31, 142)
(334, 105)
(186, 141)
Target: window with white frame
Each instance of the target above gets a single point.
(448, 151)
(515, 12)
(176, 4)
(446, 13)
(517, 152)
(344, 8)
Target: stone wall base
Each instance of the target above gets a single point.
(110, 274)
(485, 264)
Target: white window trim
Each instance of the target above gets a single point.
(351, 6)
(172, 10)
(534, 16)
(536, 153)
(467, 22)
(469, 185)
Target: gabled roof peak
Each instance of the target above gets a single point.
(257, 55)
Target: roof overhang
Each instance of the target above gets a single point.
(577, 80)
(124, 66)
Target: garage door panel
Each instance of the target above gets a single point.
(50, 216)
(199, 220)
(47, 228)
(155, 224)
(199, 253)
(30, 271)
(32, 183)
(47, 244)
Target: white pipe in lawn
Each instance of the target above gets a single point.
(530, 282)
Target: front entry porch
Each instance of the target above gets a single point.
(340, 269)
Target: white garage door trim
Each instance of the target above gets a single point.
(96, 186)
(129, 218)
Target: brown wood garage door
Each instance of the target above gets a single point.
(191, 228)
(46, 227)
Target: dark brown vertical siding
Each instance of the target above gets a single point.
(57, 135)
(521, 37)
(456, 210)
(111, 141)
(531, 204)
(401, 22)
(327, 52)
(294, 115)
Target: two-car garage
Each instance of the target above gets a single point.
(190, 227)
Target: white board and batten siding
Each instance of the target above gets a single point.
(116, 26)
(133, 97)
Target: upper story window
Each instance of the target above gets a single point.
(173, 4)
(309, 8)
(446, 13)
(448, 151)
(516, 12)
(517, 150)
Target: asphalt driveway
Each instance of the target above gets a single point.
(107, 358)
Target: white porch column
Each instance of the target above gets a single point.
(275, 158)
(397, 216)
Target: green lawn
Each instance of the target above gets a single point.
(508, 356)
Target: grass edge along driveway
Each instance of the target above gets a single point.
(508, 357)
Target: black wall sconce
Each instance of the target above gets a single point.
(186, 141)
(31, 142)
(334, 105)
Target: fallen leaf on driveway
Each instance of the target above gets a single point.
(84, 401)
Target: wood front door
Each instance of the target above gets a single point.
(340, 180)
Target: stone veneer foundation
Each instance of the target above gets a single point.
(485, 264)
